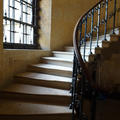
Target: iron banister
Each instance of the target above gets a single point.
(84, 83)
(75, 43)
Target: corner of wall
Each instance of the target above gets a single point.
(45, 24)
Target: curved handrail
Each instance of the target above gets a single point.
(75, 44)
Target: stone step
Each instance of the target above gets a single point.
(51, 69)
(68, 55)
(94, 42)
(114, 38)
(37, 94)
(19, 110)
(63, 54)
(58, 61)
(45, 80)
(101, 37)
(71, 49)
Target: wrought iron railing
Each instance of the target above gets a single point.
(91, 24)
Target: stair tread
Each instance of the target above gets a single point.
(68, 53)
(35, 90)
(15, 107)
(53, 67)
(46, 77)
(58, 59)
(87, 47)
(63, 52)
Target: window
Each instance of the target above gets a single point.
(20, 24)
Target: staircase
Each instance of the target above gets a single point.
(43, 91)
(89, 81)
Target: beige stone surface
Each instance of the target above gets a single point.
(110, 75)
(65, 14)
(16, 61)
(23, 108)
(45, 24)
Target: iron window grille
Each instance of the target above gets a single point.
(20, 24)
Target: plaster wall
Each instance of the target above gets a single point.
(45, 24)
(65, 14)
(16, 61)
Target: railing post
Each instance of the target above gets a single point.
(74, 80)
(106, 18)
(85, 38)
(80, 35)
(91, 36)
(114, 17)
(93, 105)
(98, 24)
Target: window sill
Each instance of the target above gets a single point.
(27, 50)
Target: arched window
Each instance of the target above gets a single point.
(20, 24)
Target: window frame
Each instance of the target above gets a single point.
(34, 25)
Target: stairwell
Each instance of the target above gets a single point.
(43, 91)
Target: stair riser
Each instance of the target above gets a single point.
(105, 44)
(114, 38)
(44, 83)
(94, 44)
(60, 63)
(69, 49)
(82, 49)
(101, 38)
(67, 56)
(98, 50)
(50, 71)
(37, 117)
(42, 99)
(91, 58)
(87, 51)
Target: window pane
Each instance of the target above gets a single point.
(21, 34)
(18, 25)
(17, 33)
(6, 31)
(29, 20)
(18, 10)
(31, 36)
(5, 10)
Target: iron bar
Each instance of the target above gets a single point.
(82, 97)
(26, 16)
(114, 17)
(23, 34)
(92, 24)
(106, 18)
(93, 105)
(85, 39)
(10, 33)
(23, 2)
(8, 9)
(74, 79)
(13, 7)
(80, 36)
(98, 24)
